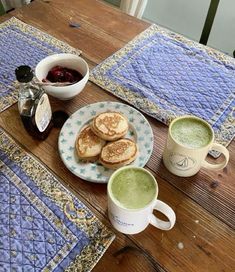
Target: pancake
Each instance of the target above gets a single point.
(118, 153)
(88, 145)
(110, 126)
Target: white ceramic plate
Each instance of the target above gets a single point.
(139, 130)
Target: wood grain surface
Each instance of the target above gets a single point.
(204, 204)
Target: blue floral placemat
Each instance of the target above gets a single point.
(43, 227)
(166, 75)
(22, 44)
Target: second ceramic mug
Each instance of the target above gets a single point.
(184, 158)
(134, 220)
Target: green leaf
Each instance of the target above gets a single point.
(117, 106)
(99, 176)
(93, 167)
(82, 171)
(146, 145)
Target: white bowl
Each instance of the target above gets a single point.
(65, 60)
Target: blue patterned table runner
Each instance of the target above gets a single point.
(43, 227)
(23, 44)
(166, 75)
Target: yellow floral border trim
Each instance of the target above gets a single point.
(41, 35)
(98, 76)
(12, 97)
(48, 213)
(99, 235)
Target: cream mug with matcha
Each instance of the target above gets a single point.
(189, 140)
(132, 197)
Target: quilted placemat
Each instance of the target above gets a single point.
(22, 44)
(166, 75)
(43, 227)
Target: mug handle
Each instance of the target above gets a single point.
(217, 166)
(167, 211)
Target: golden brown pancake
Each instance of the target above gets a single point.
(118, 153)
(110, 126)
(88, 145)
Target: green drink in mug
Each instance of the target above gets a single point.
(189, 141)
(132, 197)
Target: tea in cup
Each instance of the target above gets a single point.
(189, 140)
(132, 197)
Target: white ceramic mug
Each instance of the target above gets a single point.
(132, 221)
(185, 161)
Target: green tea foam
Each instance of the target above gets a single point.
(133, 188)
(191, 133)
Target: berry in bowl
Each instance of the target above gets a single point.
(62, 75)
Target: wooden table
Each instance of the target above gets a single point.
(204, 204)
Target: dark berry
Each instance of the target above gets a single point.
(63, 74)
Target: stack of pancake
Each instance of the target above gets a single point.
(103, 140)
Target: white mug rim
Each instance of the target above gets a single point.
(117, 203)
(196, 118)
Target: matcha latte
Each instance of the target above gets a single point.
(133, 188)
(191, 132)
